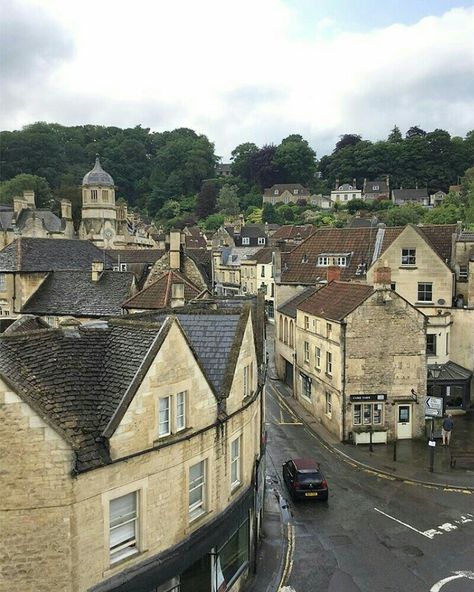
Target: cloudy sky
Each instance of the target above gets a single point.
(252, 70)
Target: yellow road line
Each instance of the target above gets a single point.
(290, 549)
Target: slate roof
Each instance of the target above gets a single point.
(264, 256)
(281, 187)
(46, 254)
(135, 255)
(73, 293)
(233, 256)
(97, 176)
(203, 259)
(158, 294)
(289, 307)
(369, 187)
(336, 300)
(253, 231)
(450, 371)
(25, 324)
(80, 380)
(409, 194)
(195, 239)
(440, 237)
(294, 232)
(50, 221)
(466, 237)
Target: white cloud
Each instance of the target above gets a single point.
(240, 72)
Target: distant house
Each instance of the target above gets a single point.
(224, 169)
(292, 234)
(376, 190)
(286, 193)
(321, 201)
(437, 198)
(345, 192)
(401, 197)
(242, 235)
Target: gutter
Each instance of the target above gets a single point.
(343, 389)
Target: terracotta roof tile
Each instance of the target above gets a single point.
(291, 231)
(158, 294)
(336, 300)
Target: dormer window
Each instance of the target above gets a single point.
(261, 240)
(295, 191)
(304, 259)
(340, 261)
(323, 261)
(376, 187)
(276, 192)
(245, 240)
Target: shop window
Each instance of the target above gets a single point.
(367, 414)
(232, 558)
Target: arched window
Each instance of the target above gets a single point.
(280, 332)
(291, 334)
(285, 339)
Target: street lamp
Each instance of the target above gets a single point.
(435, 372)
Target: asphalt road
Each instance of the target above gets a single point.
(375, 534)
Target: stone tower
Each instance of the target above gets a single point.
(99, 212)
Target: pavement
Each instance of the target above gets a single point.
(413, 456)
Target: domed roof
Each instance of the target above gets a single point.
(97, 176)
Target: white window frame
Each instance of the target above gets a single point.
(329, 363)
(261, 240)
(306, 322)
(3, 282)
(235, 465)
(130, 545)
(340, 261)
(181, 411)
(123, 267)
(408, 257)
(245, 240)
(306, 352)
(197, 508)
(317, 358)
(425, 291)
(323, 261)
(328, 404)
(248, 377)
(161, 421)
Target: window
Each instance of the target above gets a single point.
(245, 240)
(233, 556)
(375, 187)
(123, 267)
(431, 344)
(306, 323)
(306, 386)
(354, 196)
(248, 372)
(328, 404)
(425, 292)
(340, 261)
(318, 326)
(123, 527)
(3, 282)
(235, 463)
(306, 352)
(295, 191)
(367, 414)
(164, 417)
(328, 330)
(286, 200)
(463, 272)
(280, 332)
(447, 343)
(272, 290)
(285, 337)
(261, 240)
(408, 256)
(180, 411)
(105, 195)
(292, 332)
(328, 363)
(317, 355)
(197, 493)
(323, 261)
(93, 194)
(393, 286)
(276, 192)
(262, 272)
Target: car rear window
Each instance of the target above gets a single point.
(309, 477)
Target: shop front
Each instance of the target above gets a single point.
(452, 383)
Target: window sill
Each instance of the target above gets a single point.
(197, 520)
(234, 487)
(173, 436)
(408, 267)
(306, 398)
(328, 375)
(118, 565)
(424, 303)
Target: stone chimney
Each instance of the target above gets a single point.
(333, 273)
(29, 197)
(382, 278)
(177, 294)
(66, 209)
(19, 204)
(97, 269)
(337, 184)
(354, 183)
(175, 249)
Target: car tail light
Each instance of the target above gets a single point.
(324, 484)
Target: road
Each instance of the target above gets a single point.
(375, 534)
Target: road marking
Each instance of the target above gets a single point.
(290, 549)
(469, 575)
(404, 524)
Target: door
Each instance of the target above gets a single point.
(404, 422)
(289, 373)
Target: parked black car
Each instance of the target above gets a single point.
(304, 479)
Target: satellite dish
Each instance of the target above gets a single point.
(441, 301)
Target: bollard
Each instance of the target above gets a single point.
(395, 450)
(371, 448)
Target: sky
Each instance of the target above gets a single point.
(240, 71)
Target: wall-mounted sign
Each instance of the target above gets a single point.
(434, 407)
(376, 397)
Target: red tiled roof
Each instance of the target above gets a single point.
(158, 294)
(336, 300)
(440, 237)
(292, 231)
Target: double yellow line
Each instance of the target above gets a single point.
(290, 551)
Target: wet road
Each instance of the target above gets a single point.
(375, 534)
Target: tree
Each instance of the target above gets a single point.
(206, 199)
(357, 204)
(403, 215)
(270, 214)
(171, 209)
(395, 135)
(24, 182)
(467, 195)
(347, 140)
(254, 215)
(213, 222)
(241, 158)
(295, 160)
(264, 172)
(228, 201)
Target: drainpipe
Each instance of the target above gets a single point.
(343, 386)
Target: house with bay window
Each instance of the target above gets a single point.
(360, 356)
(132, 451)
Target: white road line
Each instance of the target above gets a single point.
(404, 524)
(469, 575)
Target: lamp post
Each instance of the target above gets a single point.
(435, 371)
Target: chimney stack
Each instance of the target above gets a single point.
(382, 278)
(97, 269)
(354, 183)
(66, 209)
(29, 197)
(177, 294)
(333, 273)
(175, 249)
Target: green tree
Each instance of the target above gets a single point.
(23, 182)
(295, 160)
(241, 158)
(213, 222)
(228, 201)
(395, 135)
(171, 209)
(270, 214)
(254, 215)
(357, 204)
(403, 215)
(347, 140)
(467, 195)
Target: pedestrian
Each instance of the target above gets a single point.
(446, 429)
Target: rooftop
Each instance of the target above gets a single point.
(97, 176)
(336, 300)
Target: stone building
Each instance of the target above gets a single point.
(286, 193)
(360, 357)
(131, 454)
(26, 220)
(256, 274)
(345, 193)
(105, 222)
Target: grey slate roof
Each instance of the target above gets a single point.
(290, 306)
(409, 194)
(46, 254)
(97, 176)
(135, 255)
(25, 324)
(50, 221)
(74, 293)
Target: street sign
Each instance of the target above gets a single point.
(434, 406)
(431, 443)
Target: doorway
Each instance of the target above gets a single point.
(404, 422)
